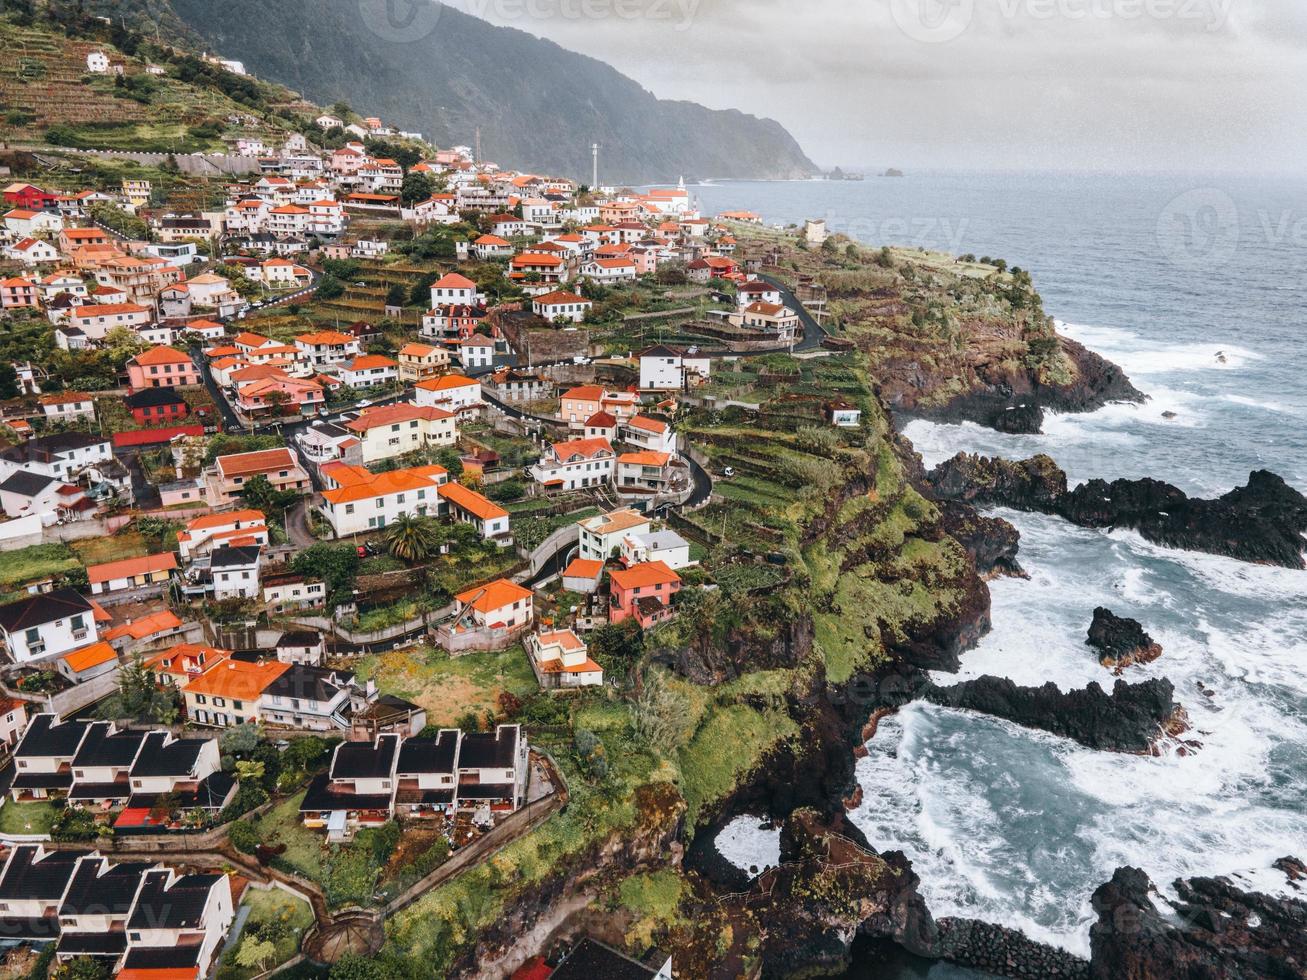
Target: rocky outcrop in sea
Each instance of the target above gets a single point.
(1133, 718)
(1263, 521)
(1121, 642)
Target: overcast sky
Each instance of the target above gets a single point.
(1213, 85)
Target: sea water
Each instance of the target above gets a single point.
(1195, 286)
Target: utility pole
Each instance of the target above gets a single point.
(594, 153)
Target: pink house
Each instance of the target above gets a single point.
(643, 592)
(161, 367)
(18, 292)
(280, 395)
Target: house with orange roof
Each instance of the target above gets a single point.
(642, 592)
(277, 394)
(561, 661)
(144, 631)
(229, 693)
(32, 252)
(229, 474)
(579, 404)
(543, 266)
(387, 431)
(327, 348)
(610, 270)
(452, 392)
(582, 576)
(95, 320)
(421, 362)
(561, 305)
(238, 527)
(282, 273)
(88, 663)
(161, 367)
(17, 292)
(469, 507)
(454, 290)
(499, 606)
(176, 665)
(131, 573)
(363, 501)
(71, 239)
(575, 464)
(367, 371)
(644, 472)
(489, 247)
(653, 435)
(67, 405)
(26, 223)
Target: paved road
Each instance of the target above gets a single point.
(298, 531)
(702, 484)
(813, 334)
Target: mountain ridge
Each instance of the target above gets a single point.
(537, 104)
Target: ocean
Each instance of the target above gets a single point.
(1193, 285)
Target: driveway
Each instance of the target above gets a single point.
(298, 531)
(813, 334)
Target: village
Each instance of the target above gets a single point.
(318, 505)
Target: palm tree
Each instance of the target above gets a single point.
(412, 539)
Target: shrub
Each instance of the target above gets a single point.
(243, 837)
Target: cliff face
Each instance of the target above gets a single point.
(446, 74)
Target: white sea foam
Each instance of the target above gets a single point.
(1138, 355)
(1266, 405)
(748, 845)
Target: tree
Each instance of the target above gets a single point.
(335, 564)
(8, 380)
(412, 539)
(305, 753)
(260, 494)
(417, 187)
(255, 954)
(396, 295)
(351, 966)
(250, 772)
(658, 715)
(244, 837)
(329, 287)
(84, 968)
(140, 698)
(617, 648)
(241, 740)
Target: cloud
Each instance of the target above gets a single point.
(1104, 84)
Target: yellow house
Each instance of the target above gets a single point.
(137, 192)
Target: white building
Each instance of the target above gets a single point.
(664, 368)
(575, 464)
(47, 625)
(602, 535)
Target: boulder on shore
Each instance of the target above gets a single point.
(1216, 931)
(1121, 642)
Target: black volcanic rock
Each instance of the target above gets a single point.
(1021, 418)
(1130, 719)
(1218, 932)
(992, 542)
(1121, 642)
(1263, 521)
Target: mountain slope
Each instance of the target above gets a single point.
(537, 105)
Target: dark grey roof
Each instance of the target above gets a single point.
(487, 791)
(92, 792)
(159, 757)
(231, 557)
(35, 610)
(27, 878)
(100, 748)
(93, 943)
(27, 484)
(429, 755)
(99, 889)
(42, 449)
(489, 750)
(211, 793)
(322, 796)
(365, 760)
(44, 739)
(299, 638)
(153, 397)
(310, 683)
(590, 960)
(179, 907)
(162, 957)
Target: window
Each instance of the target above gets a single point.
(237, 705)
(201, 699)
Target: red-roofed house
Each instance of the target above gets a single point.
(561, 305)
(161, 367)
(643, 592)
(575, 464)
(454, 290)
(561, 661)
